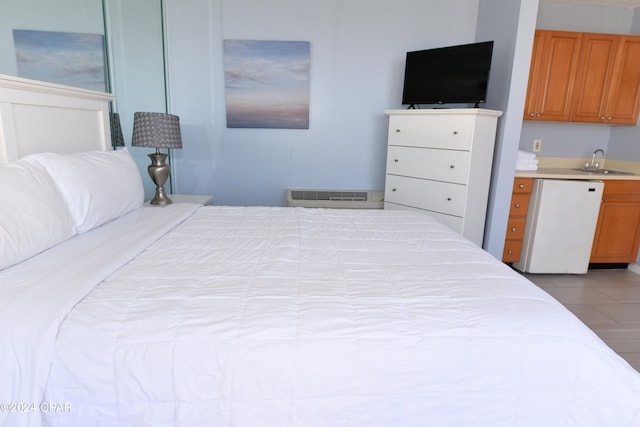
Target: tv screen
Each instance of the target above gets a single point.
(447, 75)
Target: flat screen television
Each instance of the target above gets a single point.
(447, 75)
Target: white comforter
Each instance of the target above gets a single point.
(282, 316)
(37, 294)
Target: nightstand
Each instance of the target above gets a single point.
(188, 198)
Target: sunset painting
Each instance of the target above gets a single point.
(267, 84)
(73, 59)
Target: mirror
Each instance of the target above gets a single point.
(134, 63)
(136, 55)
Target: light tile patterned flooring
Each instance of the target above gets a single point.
(608, 301)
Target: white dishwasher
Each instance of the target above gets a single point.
(561, 223)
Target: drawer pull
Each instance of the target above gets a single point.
(513, 229)
(452, 166)
(517, 205)
(510, 252)
(394, 189)
(397, 130)
(396, 160)
(455, 132)
(521, 186)
(448, 199)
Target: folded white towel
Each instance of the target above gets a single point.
(526, 155)
(528, 161)
(526, 167)
(526, 164)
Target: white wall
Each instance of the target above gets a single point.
(357, 63)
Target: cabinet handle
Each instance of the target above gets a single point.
(531, 115)
(394, 189)
(455, 132)
(396, 160)
(539, 115)
(397, 130)
(517, 205)
(452, 166)
(521, 186)
(602, 118)
(448, 199)
(513, 229)
(609, 118)
(510, 252)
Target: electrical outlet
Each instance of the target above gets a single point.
(537, 145)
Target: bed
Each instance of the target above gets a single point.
(113, 313)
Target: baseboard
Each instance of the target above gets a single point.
(635, 268)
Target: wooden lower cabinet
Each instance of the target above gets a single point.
(617, 235)
(517, 219)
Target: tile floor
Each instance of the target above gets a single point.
(608, 301)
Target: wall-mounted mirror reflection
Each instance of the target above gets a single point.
(115, 46)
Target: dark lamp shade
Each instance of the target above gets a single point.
(157, 130)
(117, 138)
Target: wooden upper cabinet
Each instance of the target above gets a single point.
(597, 59)
(584, 77)
(623, 104)
(608, 84)
(554, 64)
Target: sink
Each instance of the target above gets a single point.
(604, 171)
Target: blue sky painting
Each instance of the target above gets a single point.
(74, 59)
(267, 84)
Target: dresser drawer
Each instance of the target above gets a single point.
(452, 132)
(453, 222)
(515, 227)
(439, 165)
(519, 205)
(522, 185)
(621, 191)
(512, 250)
(435, 196)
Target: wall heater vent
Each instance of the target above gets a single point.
(335, 199)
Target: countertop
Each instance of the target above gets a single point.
(564, 168)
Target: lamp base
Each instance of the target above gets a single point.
(159, 173)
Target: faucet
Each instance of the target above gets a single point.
(594, 164)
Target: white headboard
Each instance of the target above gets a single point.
(39, 117)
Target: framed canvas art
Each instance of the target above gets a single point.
(267, 84)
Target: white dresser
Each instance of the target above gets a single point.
(440, 161)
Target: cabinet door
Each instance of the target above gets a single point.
(616, 239)
(595, 73)
(617, 236)
(623, 103)
(552, 75)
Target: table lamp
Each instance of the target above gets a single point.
(158, 130)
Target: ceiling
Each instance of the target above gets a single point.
(613, 3)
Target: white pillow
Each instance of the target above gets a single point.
(98, 186)
(33, 214)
